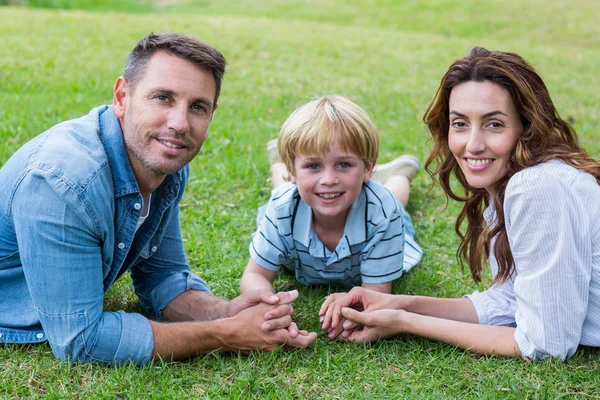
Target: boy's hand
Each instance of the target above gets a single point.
(358, 298)
(327, 314)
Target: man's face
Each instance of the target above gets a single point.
(165, 117)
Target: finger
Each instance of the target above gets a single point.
(326, 323)
(287, 297)
(326, 303)
(346, 333)
(349, 325)
(269, 298)
(279, 311)
(293, 329)
(302, 341)
(334, 332)
(355, 316)
(278, 323)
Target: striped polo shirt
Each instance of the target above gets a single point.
(378, 244)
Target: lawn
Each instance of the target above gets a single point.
(387, 56)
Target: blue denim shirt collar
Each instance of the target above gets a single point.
(111, 136)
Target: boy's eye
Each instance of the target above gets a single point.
(343, 165)
(312, 166)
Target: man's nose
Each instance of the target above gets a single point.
(179, 119)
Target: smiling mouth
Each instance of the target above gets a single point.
(171, 145)
(478, 163)
(328, 196)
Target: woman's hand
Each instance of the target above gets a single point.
(373, 325)
(358, 298)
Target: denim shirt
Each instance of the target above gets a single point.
(69, 204)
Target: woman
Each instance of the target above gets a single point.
(531, 196)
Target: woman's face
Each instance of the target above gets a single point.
(484, 126)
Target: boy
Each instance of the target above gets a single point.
(332, 224)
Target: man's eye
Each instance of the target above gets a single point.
(162, 97)
(199, 107)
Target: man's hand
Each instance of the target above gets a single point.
(248, 333)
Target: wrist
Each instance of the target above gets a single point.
(219, 309)
(401, 302)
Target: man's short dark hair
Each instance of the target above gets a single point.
(179, 45)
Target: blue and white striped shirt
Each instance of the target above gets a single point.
(552, 214)
(378, 243)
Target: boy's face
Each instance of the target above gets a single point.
(329, 183)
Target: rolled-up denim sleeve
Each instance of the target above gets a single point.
(166, 274)
(60, 250)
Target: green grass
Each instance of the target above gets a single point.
(387, 56)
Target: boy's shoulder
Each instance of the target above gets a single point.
(381, 199)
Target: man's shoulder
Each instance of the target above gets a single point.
(71, 150)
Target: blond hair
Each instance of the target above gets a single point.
(313, 127)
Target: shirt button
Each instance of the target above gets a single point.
(39, 335)
(137, 206)
(121, 246)
(154, 248)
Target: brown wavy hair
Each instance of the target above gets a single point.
(545, 136)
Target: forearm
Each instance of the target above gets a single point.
(482, 339)
(379, 287)
(180, 340)
(460, 309)
(255, 281)
(195, 305)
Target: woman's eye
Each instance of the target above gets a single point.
(458, 124)
(496, 125)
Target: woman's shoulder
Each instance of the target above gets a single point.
(549, 175)
(548, 183)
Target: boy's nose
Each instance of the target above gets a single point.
(329, 177)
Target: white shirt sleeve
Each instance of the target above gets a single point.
(548, 231)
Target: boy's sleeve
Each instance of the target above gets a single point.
(383, 256)
(269, 248)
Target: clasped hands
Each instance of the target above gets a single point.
(360, 315)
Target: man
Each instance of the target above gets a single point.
(94, 197)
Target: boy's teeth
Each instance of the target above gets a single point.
(477, 163)
(329, 195)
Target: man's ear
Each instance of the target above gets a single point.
(120, 93)
(369, 171)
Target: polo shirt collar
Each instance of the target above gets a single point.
(356, 223)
